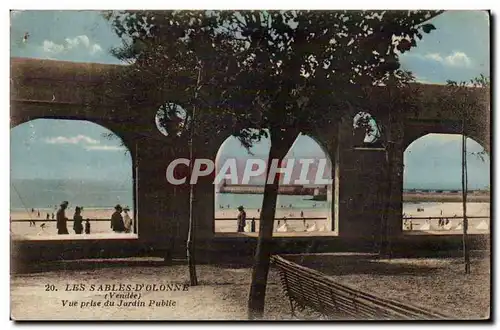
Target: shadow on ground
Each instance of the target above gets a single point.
(352, 265)
(87, 264)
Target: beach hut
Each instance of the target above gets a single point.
(283, 228)
(425, 226)
(448, 226)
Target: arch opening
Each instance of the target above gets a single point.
(432, 185)
(83, 163)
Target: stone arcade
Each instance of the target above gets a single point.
(85, 91)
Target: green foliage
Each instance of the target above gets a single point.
(427, 28)
(276, 72)
(269, 71)
(469, 97)
(465, 95)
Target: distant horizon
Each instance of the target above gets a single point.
(407, 186)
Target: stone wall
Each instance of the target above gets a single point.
(51, 89)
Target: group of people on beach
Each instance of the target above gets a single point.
(443, 222)
(32, 222)
(61, 220)
(119, 223)
(242, 217)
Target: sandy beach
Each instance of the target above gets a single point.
(479, 223)
(219, 214)
(20, 222)
(445, 209)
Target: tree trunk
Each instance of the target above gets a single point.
(385, 245)
(193, 279)
(191, 250)
(465, 223)
(192, 225)
(260, 270)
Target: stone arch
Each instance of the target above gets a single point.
(115, 128)
(443, 184)
(223, 208)
(415, 137)
(332, 190)
(220, 207)
(416, 130)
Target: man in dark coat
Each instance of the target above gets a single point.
(117, 220)
(242, 219)
(61, 219)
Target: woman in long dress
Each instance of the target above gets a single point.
(127, 220)
(61, 219)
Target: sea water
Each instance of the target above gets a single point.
(47, 194)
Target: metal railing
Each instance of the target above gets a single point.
(52, 220)
(280, 219)
(444, 217)
(223, 219)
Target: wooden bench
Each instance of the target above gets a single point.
(307, 288)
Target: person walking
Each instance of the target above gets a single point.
(117, 220)
(61, 219)
(242, 217)
(127, 220)
(78, 220)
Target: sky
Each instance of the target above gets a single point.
(458, 50)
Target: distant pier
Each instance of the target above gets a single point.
(450, 196)
(283, 190)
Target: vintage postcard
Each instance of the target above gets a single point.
(250, 165)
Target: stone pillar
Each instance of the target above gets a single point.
(327, 139)
(203, 208)
(206, 147)
(396, 157)
(161, 206)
